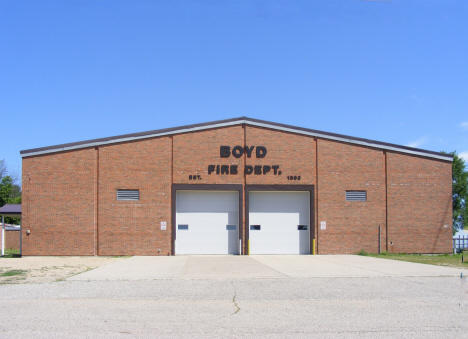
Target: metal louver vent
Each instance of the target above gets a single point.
(356, 195)
(128, 195)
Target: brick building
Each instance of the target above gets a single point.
(238, 186)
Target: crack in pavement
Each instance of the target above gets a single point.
(234, 301)
(234, 298)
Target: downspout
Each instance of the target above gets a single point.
(3, 236)
(21, 239)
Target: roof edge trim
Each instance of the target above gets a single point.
(233, 122)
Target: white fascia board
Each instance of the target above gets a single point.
(114, 141)
(239, 122)
(351, 141)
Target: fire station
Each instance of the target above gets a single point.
(239, 186)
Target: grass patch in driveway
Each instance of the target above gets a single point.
(12, 276)
(448, 260)
(42, 269)
(12, 273)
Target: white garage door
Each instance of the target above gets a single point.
(279, 222)
(207, 222)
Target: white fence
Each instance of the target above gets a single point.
(460, 243)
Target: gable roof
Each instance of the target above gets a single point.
(11, 209)
(233, 122)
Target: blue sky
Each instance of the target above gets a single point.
(393, 71)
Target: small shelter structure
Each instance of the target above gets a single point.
(14, 211)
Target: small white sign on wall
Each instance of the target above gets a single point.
(163, 225)
(323, 225)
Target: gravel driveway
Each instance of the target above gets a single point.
(47, 269)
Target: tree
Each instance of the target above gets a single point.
(10, 192)
(3, 169)
(459, 193)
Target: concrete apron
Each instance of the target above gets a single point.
(261, 266)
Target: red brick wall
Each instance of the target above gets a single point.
(134, 227)
(350, 225)
(64, 196)
(58, 203)
(295, 154)
(12, 239)
(419, 204)
(193, 152)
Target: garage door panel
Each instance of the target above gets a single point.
(207, 214)
(201, 219)
(200, 248)
(275, 218)
(197, 207)
(272, 249)
(205, 206)
(291, 208)
(279, 214)
(194, 237)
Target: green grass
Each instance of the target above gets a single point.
(362, 252)
(451, 260)
(12, 253)
(12, 273)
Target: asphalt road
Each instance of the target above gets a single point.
(320, 307)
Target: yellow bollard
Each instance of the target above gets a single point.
(313, 246)
(248, 246)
